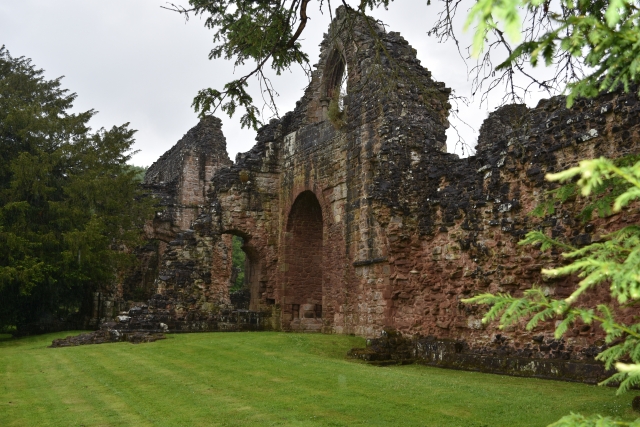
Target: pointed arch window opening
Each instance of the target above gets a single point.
(338, 76)
(335, 88)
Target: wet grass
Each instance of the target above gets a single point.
(266, 379)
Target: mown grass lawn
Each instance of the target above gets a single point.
(264, 379)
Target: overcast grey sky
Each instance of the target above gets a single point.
(135, 62)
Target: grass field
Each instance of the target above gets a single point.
(266, 379)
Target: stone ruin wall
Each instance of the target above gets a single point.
(373, 225)
(464, 238)
(180, 177)
(179, 181)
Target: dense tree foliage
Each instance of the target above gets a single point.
(70, 206)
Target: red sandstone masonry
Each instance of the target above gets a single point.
(373, 225)
(303, 264)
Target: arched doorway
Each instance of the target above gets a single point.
(303, 275)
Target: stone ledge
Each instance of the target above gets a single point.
(550, 369)
(369, 262)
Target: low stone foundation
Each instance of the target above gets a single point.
(162, 314)
(147, 323)
(104, 336)
(226, 321)
(392, 349)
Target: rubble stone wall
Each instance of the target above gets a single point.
(180, 178)
(465, 238)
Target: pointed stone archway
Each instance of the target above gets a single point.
(304, 261)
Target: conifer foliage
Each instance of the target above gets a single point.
(70, 206)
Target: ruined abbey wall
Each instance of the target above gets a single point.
(366, 223)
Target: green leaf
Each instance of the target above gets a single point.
(612, 14)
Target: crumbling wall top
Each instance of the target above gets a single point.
(204, 139)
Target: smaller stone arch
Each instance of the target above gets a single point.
(252, 267)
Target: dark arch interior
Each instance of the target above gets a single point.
(303, 252)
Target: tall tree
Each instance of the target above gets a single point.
(70, 206)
